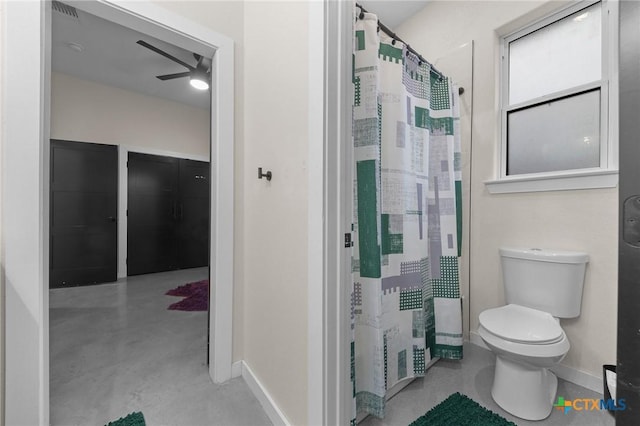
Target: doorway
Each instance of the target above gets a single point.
(156, 219)
(25, 197)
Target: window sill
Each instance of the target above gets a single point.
(564, 182)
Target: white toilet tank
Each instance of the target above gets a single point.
(550, 281)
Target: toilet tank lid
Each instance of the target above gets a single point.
(543, 255)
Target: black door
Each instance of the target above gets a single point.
(628, 387)
(168, 214)
(152, 214)
(193, 208)
(83, 216)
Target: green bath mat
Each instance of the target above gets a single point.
(133, 419)
(460, 410)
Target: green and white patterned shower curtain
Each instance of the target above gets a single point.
(406, 306)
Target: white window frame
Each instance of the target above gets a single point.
(604, 176)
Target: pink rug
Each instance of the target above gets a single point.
(196, 296)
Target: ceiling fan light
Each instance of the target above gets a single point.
(199, 82)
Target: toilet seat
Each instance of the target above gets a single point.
(519, 324)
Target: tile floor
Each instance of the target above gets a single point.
(115, 349)
(473, 377)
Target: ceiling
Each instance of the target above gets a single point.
(392, 13)
(109, 54)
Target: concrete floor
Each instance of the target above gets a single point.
(473, 376)
(115, 349)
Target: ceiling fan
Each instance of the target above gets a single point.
(199, 76)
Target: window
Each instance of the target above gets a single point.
(557, 103)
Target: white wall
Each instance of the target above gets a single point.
(2, 299)
(584, 220)
(275, 213)
(85, 111)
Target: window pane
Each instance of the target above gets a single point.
(559, 135)
(559, 56)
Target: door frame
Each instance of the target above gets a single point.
(330, 397)
(26, 93)
(123, 190)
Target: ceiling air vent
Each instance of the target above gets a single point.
(65, 9)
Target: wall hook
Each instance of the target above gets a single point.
(267, 175)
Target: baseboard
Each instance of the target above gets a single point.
(274, 413)
(580, 378)
(236, 369)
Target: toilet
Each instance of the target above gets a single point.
(541, 286)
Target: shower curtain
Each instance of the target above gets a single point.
(405, 301)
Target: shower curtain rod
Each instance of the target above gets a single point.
(394, 36)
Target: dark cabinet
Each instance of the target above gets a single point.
(168, 213)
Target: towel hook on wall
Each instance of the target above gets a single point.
(267, 175)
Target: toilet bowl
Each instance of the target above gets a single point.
(526, 343)
(540, 287)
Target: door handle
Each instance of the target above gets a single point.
(631, 221)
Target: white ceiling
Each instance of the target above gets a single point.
(392, 13)
(111, 56)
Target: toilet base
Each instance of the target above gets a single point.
(524, 390)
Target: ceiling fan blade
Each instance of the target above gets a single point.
(165, 54)
(172, 76)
